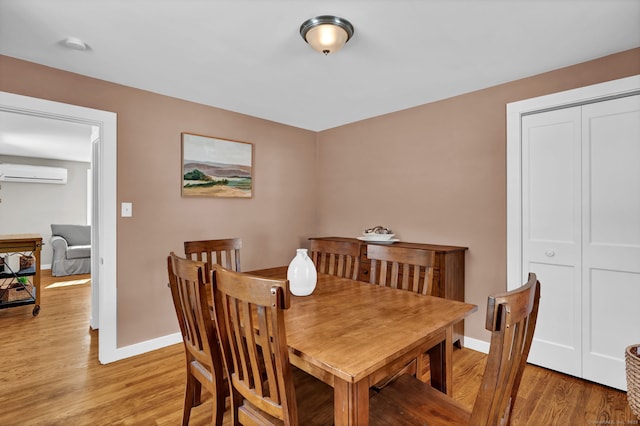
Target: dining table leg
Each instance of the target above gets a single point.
(441, 363)
(351, 402)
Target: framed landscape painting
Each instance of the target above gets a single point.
(214, 167)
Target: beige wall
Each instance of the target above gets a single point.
(435, 173)
(277, 220)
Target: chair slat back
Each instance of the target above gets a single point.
(225, 252)
(511, 318)
(186, 280)
(401, 267)
(339, 258)
(203, 354)
(250, 315)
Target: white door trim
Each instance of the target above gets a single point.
(515, 111)
(107, 179)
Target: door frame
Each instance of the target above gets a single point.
(515, 111)
(104, 180)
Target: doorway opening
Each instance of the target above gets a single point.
(103, 216)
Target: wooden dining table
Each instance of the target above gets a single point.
(352, 334)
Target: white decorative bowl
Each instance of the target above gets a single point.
(377, 237)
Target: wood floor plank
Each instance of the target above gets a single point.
(530, 398)
(50, 375)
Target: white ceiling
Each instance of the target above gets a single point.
(247, 55)
(41, 137)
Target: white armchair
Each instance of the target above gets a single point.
(71, 246)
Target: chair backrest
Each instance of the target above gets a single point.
(339, 258)
(186, 280)
(250, 323)
(511, 318)
(401, 267)
(225, 252)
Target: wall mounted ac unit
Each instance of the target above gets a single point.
(33, 174)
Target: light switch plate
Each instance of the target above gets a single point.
(127, 210)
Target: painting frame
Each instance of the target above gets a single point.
(216, 167)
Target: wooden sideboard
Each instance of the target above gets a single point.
(448, 273)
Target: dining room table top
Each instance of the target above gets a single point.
(351, 329)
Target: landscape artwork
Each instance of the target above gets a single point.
(214, 167)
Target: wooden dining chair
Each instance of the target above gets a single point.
(408, 269)
(203, 355)
(401, 267)
(511, 318)
(249, 313)
(339, 258)
(225, 252)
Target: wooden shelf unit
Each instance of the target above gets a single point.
(21, 243)
(448, 274)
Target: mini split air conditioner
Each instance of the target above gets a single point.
(33, 174)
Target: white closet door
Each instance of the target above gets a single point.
(611, 237)
(551, 228)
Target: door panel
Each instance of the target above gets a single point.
(557, 340)
(552, 164)
(612, 165)
(611, 300)
(551, 240)
(611, 236)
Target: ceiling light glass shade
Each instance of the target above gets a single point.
(74, 43)
(326, 34)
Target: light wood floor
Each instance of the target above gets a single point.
(49, 375)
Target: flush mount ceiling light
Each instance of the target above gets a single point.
(326, 33)
(74, 43)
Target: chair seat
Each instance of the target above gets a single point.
(314, 399)
(410, 402)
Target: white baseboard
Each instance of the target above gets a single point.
(42, 267)
(476, 345)
(143, 347)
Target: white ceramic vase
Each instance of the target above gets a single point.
(302, 274)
